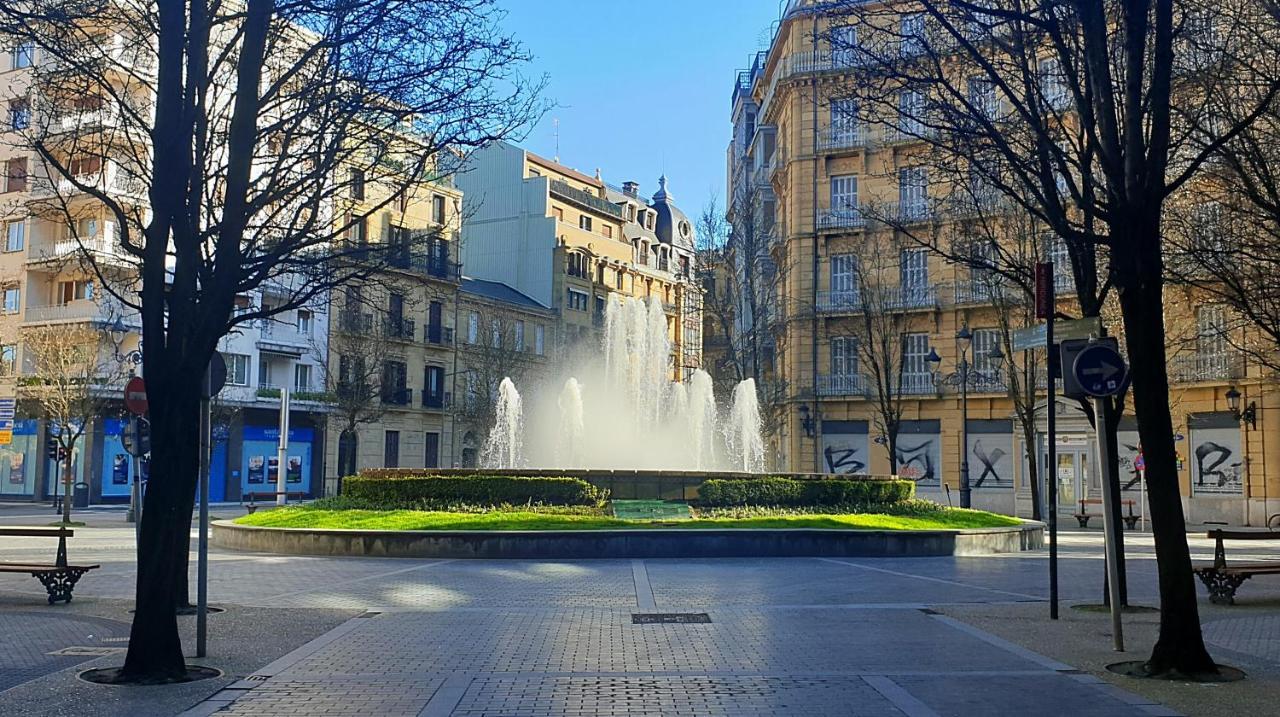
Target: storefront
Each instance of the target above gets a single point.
(19, 461)
(259, 460)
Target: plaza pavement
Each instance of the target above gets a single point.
(371, 636)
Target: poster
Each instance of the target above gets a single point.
(1217, 464)
(1127, 448)
(256, 464)
(845, 448)
(919, 452)
(273, 470)
(294, 472)
(17, 467)
(120, 469)
(990, 454)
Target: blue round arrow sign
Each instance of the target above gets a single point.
(1100, 370)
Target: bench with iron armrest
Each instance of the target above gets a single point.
(270, 496)
(1221, 579)
(59, 579)
(1130, 520)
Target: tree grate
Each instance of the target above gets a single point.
(670, 618)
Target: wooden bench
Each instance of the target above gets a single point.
(254, 497)
(59, 579)
(1130, 520)
(1221, 579)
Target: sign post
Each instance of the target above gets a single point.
(135, 401)
(1046, 305)
(282, 449)
(1100, 371)
(215, 377)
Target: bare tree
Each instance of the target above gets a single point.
(1073, 111)
(352, 378)
(494, 355)
(72, 378)
(241, 139)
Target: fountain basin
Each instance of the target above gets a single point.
(639, 543)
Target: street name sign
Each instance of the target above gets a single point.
(1033, 337)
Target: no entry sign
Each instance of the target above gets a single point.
(135, 396)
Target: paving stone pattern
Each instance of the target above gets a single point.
(27, 638)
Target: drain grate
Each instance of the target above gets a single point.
(85, 651)
(670, 618)
(257, 678)
(115, 639)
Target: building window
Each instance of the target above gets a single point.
(85, 165)
(237, 369)
(437, 208)
(357, 184)
(844, 356)
(15, 236)
(12, 299)
(584, 222)
(913, 188)
(23, 55)
(433, 387)
(618, 276)
(8, 359)
(914, 270)
(519, 335)
(982, 98)
(1211, 330)
(1053, 85)
(558, 213)
(843, 268)
(433, 450)
(844, 121)
(69, 291)
(607, 231)
(302, 377)
(844, 45)
(538, 335)
(984, 341)
(911, 113)
(473, 327)
(844, 193)
(912, 34)
(495, 334)
(391, 450)
(305, 320)
(15, 175)
(577, 300)
(19, 114)
(915, 361)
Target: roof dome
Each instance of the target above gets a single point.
(672, 226)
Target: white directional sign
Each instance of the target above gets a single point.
(1033, 337)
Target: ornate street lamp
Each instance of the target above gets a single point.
(1249, 415)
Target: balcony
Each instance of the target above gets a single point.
(843, 138)
(397, 396)
(101, 246)
(911, 211)
(989, 291)
(433, 266)
(399, 328)
(913, 297)
(849, 385)
(102, 311)
(1207, 366)
(819, 61)
(585, 199)
(111, 179)
(437, 401)
(839, 302)
(438, 335)
(282, 338)
(851, 218)
(354, 322)
(917, 384)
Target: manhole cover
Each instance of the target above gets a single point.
(82, 651)
(669, 618)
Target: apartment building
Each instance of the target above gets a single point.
(823, 169)
(568, 240)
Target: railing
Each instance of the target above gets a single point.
(841, 219)
(1192, 368)
(842, 385)
(833, 302)
(100, 243)
(983, 292)
(564, 190)
(399, 328)
(917, 384)
(430, 265)
(908, 212)
(397, 396)
(853, 138)
(914, 297)
(111, 178)
(355, 323)
(439, 335)
(437, 400)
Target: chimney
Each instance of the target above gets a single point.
(631, 189)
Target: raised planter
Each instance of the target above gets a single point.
(640, 543)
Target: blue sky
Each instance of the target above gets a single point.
(641, 87)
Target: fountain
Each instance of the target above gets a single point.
(626, 412)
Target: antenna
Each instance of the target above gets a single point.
(556, 123)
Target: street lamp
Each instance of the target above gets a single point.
(964, 339)
(806, 421)
(118, 333)
(1249, 415)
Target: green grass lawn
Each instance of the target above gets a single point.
(304, 517)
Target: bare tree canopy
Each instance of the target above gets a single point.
(231, 143)
(1086, 116)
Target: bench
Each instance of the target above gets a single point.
(59, 579)
(1130, 520)
(254, 497)
(1221, 579)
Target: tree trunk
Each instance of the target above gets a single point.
(67, 478)
(155, 650)
(1180, 646)
(1033, 470)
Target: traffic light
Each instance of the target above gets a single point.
(52, 447)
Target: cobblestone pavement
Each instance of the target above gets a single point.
(531, 638)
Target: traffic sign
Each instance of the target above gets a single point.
(1100, 369)
(1033, 337)
(215, 377)
(135, 396)
(136, 438)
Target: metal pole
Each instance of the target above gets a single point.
(1108, 502)
(964, 430)
(282, 453)
(1051, 473)
(202, 569)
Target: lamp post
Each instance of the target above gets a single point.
(964, 338)
(1249, 416)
